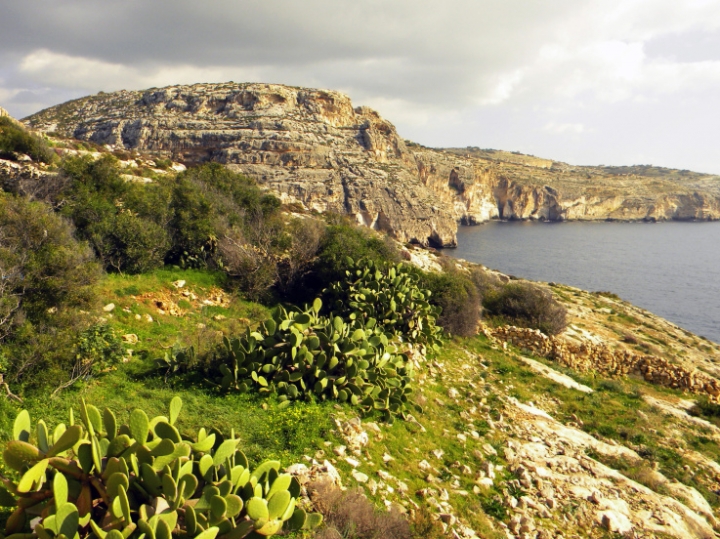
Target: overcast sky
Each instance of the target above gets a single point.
(582, 81)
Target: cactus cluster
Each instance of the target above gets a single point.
(141, 480)
(302, 355)
(353, 355)
(389, 294)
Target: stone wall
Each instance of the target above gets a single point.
(587, 356)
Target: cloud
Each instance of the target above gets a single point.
(559, 129)
(442, 71)
(50, 68)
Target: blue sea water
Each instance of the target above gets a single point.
(671, 269)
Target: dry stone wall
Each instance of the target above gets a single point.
(586, 356)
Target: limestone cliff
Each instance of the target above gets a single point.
(313, 147)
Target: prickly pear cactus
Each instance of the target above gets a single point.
(141, 480)
(302, 355)
(390, 295)
(357, 354)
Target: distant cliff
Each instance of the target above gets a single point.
(314, 148)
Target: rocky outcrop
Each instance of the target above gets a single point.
(552, 470)
(313, 148)
(27, 178)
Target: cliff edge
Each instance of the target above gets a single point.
(313, 147)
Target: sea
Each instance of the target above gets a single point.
(669, 268)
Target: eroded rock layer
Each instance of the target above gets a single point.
(313, 147)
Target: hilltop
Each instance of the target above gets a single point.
(314, 148)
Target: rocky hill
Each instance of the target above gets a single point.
(314, 148)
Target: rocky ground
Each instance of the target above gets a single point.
(511, 444)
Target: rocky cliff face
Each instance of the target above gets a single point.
(313, 147)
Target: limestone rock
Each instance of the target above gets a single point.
(615, 522)
(310, 146)
(359, 476)
(313, 148)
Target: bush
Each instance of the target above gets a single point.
(527, 305)
(454, 292)
(485, 281)
(44, 269)
(355, 353)
(389, 295)
(207, 202)
(124, 222)
(340, 242)
(128, 243)
(97, 349)
(304, 238)
(306, 356)
(253, 267)
(350, 515)
(46, 274)
(15, 139)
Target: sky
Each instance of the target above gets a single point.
(588, 82)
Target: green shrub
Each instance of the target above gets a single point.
(100, 347)
(457, 297)
(124, 222)
(44, 268)
(16, 139)
(357, 353)
(527, 305)
(340, 242)
(46, 275)
(207, 202)
(163, 163)
(102, 479)
(129, 244)
(97, 349)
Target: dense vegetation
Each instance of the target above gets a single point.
(71, 241)
(208, 218)
(16, 141)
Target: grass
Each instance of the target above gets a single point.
(266, 431)
(200, 324)
(616, 411)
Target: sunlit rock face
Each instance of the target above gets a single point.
(314, 148)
